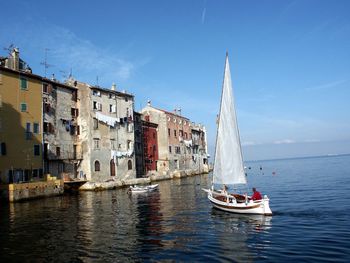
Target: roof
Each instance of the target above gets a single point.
(171, 113)
(37, 77)
(121, 94)
(149, 124)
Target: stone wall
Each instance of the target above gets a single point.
(25, 191)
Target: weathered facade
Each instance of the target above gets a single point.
(20, 121)
(150, 143)
(106, 133)
(139, 146)
(175, 145)
(199, 147)
(62, 151)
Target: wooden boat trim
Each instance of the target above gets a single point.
(236, 207)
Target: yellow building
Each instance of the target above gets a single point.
(20, 122)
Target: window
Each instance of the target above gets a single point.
(129, 144)
(74, 130)
(97, 166)
(48, 127)
(177, 150)
(74, 95)
(129, 165)
(28, 127)
(174, 133)
(23, 107)
(47, 107)
(36, 127)
(97, 106)
(181, 133)
(74, 112)
(110, 108)
(96, 93)
(96, 144)
(95, 124)
(169, 132)
(3, 149)
(37, 150)
(58, 151)
(185, 135)
(154, 135)
(28, 132)
(47, 88)
(169, 149)
(24, 84)
(112, 144)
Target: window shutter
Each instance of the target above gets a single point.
(3, 148)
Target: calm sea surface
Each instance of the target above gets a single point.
(310, 199)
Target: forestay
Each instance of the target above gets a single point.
(228, 167)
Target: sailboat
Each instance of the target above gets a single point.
(228, 166)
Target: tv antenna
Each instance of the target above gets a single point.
(44, 63)
(9, 48)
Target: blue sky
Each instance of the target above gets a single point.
(289, 61)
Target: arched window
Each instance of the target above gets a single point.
(129, 165)
(112, 167)
(97, 166)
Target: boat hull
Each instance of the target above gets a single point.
(143, 189)
(260, 207)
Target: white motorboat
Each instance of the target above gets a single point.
(143, 189)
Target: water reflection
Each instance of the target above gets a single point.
(176, 222)
(241, 233)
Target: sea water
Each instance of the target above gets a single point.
(311, 221)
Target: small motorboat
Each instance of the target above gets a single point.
(142, 189)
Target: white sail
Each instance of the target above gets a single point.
(228, 167)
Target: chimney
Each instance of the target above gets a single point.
(14, 59)
(114, 87)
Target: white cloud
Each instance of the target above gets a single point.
(329, 85)
(285, 141)
(249, 143)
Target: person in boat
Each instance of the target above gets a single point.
(256, 195)
(224, 189)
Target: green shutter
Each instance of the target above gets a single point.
(23, 84)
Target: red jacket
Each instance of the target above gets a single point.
(256, 196)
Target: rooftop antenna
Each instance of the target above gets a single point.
(97, 81)
(44, 63)
(9, 48)
(64, 74)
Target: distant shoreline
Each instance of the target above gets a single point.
(300, 157)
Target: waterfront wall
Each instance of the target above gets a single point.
(151, 177)
(25, 191)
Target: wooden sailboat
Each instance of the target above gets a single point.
(228, 166)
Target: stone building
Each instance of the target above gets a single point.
(106, 133)
(174, 139)
(199, 147)
(150, 142)
(20, 121)
(139, 146)
(62, 152)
